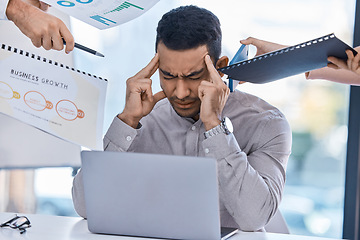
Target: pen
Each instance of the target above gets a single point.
(86, 49)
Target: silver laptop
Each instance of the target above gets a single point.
(151, 195)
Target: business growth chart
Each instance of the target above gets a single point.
(103, 14)
(57, 99)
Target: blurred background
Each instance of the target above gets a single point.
(317, 110)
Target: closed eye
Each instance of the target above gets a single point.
(168, 78)
(198, 78)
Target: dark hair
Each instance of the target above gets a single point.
(189, 27)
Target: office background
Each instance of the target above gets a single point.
(313, 202)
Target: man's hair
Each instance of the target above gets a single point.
(189, 27)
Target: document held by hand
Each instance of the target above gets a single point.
(288, 61)
(103, 13)
(55, 98)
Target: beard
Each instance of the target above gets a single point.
(190, 112)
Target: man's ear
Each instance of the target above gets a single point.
(222, 62)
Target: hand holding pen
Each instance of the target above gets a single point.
(86, 49)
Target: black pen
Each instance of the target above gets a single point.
(86, 49)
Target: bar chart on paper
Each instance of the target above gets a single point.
(103, 14)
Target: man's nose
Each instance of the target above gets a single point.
(182, 89)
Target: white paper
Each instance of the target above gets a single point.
(103, 13)
(24, 146)
(61, 101)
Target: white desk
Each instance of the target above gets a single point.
(75, 228)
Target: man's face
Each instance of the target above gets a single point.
(181, 73)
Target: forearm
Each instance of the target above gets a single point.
(251, 184)
(334, 75)
(251, 197)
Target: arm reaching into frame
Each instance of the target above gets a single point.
(337, 71)
(43, 29)
(352, 63)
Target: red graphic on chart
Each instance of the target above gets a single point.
(68, 110)
(37, 101)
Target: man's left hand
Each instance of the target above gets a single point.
(213, 95)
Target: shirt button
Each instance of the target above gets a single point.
(206, 150)
(128, 138)
(193, 128)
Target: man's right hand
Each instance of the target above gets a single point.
(139, 97)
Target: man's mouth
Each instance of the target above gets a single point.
(184, 105)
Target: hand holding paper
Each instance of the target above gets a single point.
(43, 29)
(288, 61)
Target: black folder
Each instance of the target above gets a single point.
(288, 61)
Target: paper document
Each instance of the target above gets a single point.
(103, 13)
(55, 98)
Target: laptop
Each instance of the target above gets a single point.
(151, 195)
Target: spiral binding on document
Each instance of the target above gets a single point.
(43, 59)
(281, 51)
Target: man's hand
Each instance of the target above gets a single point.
(262, 46)
(43, 29)
(352, 63)
(213, 95)
(139, 97)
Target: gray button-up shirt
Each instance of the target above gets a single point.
(251, 161)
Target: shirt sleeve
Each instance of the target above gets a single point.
(251, 185)
(119, 136)
(3, 6)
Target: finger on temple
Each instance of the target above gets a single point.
(150, 69)
(214, 75)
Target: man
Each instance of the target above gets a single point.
(186, 119)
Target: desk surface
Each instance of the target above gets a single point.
(45, 227)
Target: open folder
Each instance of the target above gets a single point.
(288, 61)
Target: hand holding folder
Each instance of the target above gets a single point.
(352, 63)
(288, 61)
